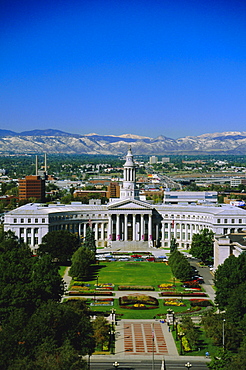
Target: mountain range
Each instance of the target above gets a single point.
(56, 141)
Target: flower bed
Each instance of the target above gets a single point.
(139, 306)
(103, 302)
(80, 288)
(191, 284)
(91, 293)
(200, 303)
(104, 286)
(166, 286)
(135, 287)
(79, 283)
(138, 301)
(173, 302)
(184, 294)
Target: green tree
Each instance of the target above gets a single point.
(180, 266)
(60, 245)
(89, 241)
(101, 331)
(173, 245)
(227, 278)
(54, 331)
(202, 245)
(191, 332)
(46, 281)
(66, 199)
(81, 261)
(221, 361)
(16, 280)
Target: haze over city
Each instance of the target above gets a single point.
(150, 68)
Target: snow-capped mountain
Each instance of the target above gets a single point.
(56, 141)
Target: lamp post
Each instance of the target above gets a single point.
(223, 334)
(116, 365)
(188, 365)
(176, 329)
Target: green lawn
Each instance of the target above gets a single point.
(131, 273)
(62, 270)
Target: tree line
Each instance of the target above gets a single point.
(37, 330)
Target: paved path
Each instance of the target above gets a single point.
(144, 337)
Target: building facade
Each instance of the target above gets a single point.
(32, 187)
(125, 222)
(227, 245)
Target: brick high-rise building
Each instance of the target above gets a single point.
(32, 187)
(113, 190)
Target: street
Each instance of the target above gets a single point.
(146, 365)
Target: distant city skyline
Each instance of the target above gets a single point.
(149, 68)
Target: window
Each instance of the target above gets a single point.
(43, 220)
(36, 231)
(188, 226)
(28, 230)
(22, 220)
(36, 220)
(36, 240)
(232, 220)
(29, 240)
(29, 220)
(240, 220)
(225, 220)
(15, 220)
(218, 221)
(22, 230)
(225, 231)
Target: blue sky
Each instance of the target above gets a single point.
(174, 68)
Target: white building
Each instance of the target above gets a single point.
(153, 159)
(189, 197)
(227, 245)
(126, 222)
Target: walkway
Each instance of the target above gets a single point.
(144, 337)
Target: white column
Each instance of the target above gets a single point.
(142, 227)
(186, 233)
(169, 232)
(25, 235)
(150, 227)
(175, 230)
(102, 231)
(39, 235)
(84, 227)
(125, 236)
(79, 229)
(96, 231)
(117, 227)
(109, 227)
(162, 233)
(134, 227)
(32, 237)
